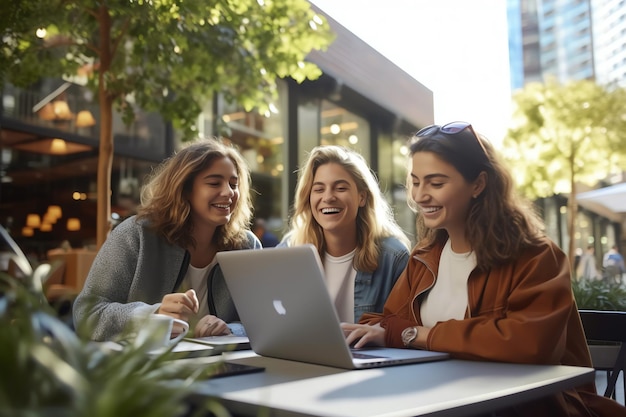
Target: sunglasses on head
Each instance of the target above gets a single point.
(450, 129)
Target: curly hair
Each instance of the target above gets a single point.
(375, 220)
(499, 221)
(163, 201)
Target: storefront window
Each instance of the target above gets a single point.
(341, 127)
(261, 140)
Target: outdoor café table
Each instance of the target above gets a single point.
(451, 387)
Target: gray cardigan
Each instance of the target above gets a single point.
(132, 272)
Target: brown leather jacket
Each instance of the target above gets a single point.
(522, 312)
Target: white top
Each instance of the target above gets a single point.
(448, 298)
(196, 278)
(340, 276)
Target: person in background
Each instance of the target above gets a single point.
(613, 264)
(162, 260)
(340, 209)
(267, 238)
(483, 282)
(587, 269)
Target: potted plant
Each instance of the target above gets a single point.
(48, 370)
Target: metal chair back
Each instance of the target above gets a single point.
(607, 327)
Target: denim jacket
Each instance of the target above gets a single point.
(372, 288)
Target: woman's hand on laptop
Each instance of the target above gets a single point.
(361, 335)
(211, 326)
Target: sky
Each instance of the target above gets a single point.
(456, 48)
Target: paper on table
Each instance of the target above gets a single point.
(184, 348)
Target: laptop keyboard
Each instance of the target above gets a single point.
(358, 355)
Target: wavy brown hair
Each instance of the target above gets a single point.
(499, 222)
(374, 221)
(163, 201)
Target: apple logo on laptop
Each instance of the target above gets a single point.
(279, 307)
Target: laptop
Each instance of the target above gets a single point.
(283, 303)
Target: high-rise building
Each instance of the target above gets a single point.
(609, 41)
(571, 40)
(550, 38)
(567, 40)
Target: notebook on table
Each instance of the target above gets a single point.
(283, 303)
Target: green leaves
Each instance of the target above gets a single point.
(48, 370)
(599, 295)
(191, 47)
(566, 133)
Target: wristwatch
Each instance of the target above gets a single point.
(409, 335)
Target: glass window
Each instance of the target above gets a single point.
(392, 171)
(261, 140)
(341, 127)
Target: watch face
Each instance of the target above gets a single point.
(408, 335)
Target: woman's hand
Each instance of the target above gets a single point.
(361, 335)
(180, 305)
(211, 326)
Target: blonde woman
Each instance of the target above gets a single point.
(163, 259)
(340, 209)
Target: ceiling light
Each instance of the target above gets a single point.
(84, 118)
(58, 146)
(33, 220)
(73, 224)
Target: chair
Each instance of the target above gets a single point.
(607, 329)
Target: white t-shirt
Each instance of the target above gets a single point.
(196, 278)
(340, 276)
(448, 298)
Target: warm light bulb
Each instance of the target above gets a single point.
(58, 146)
(33, 220)
(62, 110)
(84, 118)
(73, 224)
(55, 211)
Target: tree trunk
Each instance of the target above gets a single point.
(572, 211)
(105, 156)
(105, 164)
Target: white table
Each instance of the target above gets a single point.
(451, 388)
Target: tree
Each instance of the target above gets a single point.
(563, 135)
(167, 56)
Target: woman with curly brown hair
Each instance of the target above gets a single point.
(162, 260)
(483, 282)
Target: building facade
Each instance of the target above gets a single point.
(49, 153)
(571, 40)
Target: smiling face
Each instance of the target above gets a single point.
(214, 194)
(442, 194)
(335, 200)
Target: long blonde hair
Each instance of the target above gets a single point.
(163, 200)
(374, 221)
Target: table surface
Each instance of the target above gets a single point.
(453, 388)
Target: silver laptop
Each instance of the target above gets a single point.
(283, 303)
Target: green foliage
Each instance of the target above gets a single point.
(599, 295)
(167, 56)
(564, 134)
(47, 370)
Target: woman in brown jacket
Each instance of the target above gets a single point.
(483, 281)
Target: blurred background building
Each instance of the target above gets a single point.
(573, 40)
(49, 132)
(49, 143)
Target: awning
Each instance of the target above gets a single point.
(612, 197)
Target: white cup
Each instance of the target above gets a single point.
(154, 331)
